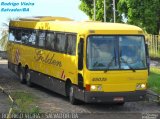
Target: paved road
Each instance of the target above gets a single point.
(4, 100)
(155, 64)
(50, 102)
(4, 103)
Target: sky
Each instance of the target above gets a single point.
(64, 8)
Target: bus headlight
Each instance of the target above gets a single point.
(93, 87)
(96, 88)
(141, 86)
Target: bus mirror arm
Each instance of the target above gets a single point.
(147, 58)
(147, 52)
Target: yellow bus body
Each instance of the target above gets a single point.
(63, 67)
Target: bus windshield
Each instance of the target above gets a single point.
(116, 52)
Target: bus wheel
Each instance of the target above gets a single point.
(72, 99)
(21, 75)
(28, 78)
(120, 103)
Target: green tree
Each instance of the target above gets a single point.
(88, 7)
(4, 39)
(4, 34)
(143, 13)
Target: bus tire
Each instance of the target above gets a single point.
(21, 75)
(120, 103)
(72, 99)
(28, 78)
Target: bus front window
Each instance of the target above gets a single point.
(132, 52)
(115, 52)
(101, 52)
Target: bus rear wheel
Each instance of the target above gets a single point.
(28, 78)
(21, 75)
(72, 99)
(120, 103)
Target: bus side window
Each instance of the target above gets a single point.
(28, 37)
(41, 40)
(17, 34)
(50, 41)
(61, 43)
(25, 36)
(32, 38)
(71, 44)
(11, 34)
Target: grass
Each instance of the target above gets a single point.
(154, 80)
(25, 103)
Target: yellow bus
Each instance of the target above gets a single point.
(93, 62)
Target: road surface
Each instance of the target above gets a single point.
(52, 103)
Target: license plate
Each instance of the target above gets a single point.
(118, 99)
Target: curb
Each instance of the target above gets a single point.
(155, 97)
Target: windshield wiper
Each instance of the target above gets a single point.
(124, 61)
(113, 59)
(109, 64)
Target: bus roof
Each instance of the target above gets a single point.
(68, 25)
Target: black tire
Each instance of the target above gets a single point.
(120, 103)
(21, 75)
(72, 99)
(28, 78)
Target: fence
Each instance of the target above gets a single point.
(153, 45)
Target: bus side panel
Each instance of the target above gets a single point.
(49, 69)
(40, 63)
(14, 57)
(48, 82)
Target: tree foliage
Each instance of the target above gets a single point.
(143, 13)
(88, 7)
(4, 39)
(4, 34)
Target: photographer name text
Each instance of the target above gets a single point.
(23, 6)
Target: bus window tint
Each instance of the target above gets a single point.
(50, 41)
(28, 37)
(11, 35)
(17, 34)
(101, 52)
(61, 41)
(25, 36)
(132, 51)
(32, 38)
(71, 44)
(41, 41)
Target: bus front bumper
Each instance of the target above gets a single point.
(114, 97)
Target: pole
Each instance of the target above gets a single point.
(114, 11)
(94, 10)
(104, 10)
